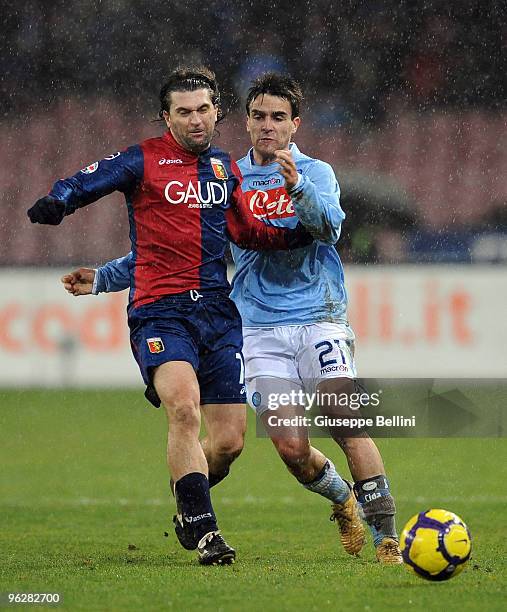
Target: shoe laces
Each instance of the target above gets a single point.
(340, 514)
(391, 547)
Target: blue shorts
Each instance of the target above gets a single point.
(204, 331)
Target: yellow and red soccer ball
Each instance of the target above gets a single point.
(435, 544)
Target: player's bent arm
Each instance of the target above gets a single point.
(118, 172)
(247, 232)
(113, 276)
(316, 200)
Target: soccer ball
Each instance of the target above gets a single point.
(435, 544)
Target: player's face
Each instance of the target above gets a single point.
(191, 119)
(270, 125)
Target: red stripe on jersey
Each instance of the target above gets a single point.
(168, 230)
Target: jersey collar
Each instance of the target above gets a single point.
(292, 148)
(169, 139)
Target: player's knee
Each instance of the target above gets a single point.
(293, 451)
(183, 413)
(181, 403)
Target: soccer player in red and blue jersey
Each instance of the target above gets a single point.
(185, 203)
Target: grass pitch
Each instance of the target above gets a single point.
(84, 502)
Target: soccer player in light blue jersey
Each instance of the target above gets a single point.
(294, 311)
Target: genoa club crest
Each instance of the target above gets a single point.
(219, 168)
(155, 345)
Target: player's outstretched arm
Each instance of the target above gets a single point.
(115, 275)
(247, 232)
(79, 282)
(118, 172)
(112, 276)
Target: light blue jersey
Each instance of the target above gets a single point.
(280, 287)
(305, 285)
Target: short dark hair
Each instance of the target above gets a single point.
(189, 78)
(275, 84)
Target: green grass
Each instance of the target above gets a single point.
(83, 476)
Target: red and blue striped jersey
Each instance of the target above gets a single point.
(183, 208)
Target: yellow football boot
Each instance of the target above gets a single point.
(350, 525)
(388, 552)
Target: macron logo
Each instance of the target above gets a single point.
(163, 161)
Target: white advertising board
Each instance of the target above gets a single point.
(410, 321)
(429, 321)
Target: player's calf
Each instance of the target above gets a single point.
(220, 454)
(225, 435)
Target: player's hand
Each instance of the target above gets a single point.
(47, 211)
(287, 168)
(79, 282)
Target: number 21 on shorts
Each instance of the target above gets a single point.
(334, 355)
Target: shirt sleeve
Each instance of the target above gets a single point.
(113, 276)
(316, 200)
(118, 172)
(248, 232)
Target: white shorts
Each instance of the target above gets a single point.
(295, 357)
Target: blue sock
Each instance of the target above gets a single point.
(378, 507)
(329, 484)
(195, 503)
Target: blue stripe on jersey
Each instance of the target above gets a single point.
(133, 252)
(136, 159)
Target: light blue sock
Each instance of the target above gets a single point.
(329, 484)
